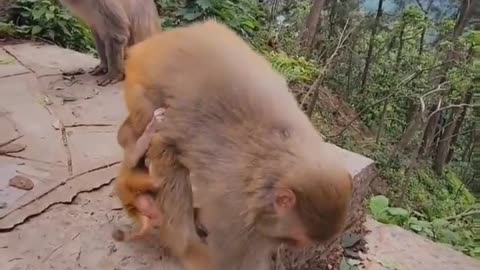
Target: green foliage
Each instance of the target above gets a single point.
(381, 211)
(47, 20)
(246, 16)
(7, 30)
(452, 231)
(297, 69)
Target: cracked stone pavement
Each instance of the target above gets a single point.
(62, 136)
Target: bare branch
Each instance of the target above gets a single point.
(421, 6)
(439, 108)
(341, 41)
(393, 94)
(437, 89)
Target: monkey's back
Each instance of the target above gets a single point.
(226, 105)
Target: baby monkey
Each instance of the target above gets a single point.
(138, 191)
(134, 186)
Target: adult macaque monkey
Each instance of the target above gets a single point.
(116, 25)
(262, 173)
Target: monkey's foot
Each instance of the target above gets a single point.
(111, 78)
(98, 70)
(145, 205)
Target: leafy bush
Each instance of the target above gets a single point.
(297, 69)
(246, 16)
(46, 19)
(7, 30)
(456, 230)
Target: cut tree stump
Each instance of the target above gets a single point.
(328, 256)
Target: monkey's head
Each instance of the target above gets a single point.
(308, 204)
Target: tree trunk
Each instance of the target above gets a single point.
(312, 25)
(332, 15)
(424, 28)
(400, 48)
(463, 17)
(417, 122)
(349, 73)
(443, 148)
(458, 124)
(371, 45)
(381, 122)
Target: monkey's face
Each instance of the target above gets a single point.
(281, 220)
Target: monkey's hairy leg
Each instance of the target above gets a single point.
(115, 57)
(101, 68)
(143, 142)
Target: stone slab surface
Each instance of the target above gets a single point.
(10, 67)
(63, 138)
(78, 236)
(393, 248)
(49, 59)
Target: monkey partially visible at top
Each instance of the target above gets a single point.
(116, 25)
(262, 173)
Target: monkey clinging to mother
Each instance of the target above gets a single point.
(261, 172)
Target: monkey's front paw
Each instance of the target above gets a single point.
(111, 78)
(98, 70)
(153, 125)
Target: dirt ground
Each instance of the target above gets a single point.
(58, 134)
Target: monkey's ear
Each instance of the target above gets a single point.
(285, 200)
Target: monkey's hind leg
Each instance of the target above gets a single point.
(147, 215)
(115, 56)
(100, 69)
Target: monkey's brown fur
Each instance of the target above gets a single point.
(115, 24)
(179, 231)
(262, 172)
(136, 188)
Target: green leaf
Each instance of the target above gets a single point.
(416, 227)
(36, 29)
(447, 236)
(37, 13)
(192, 16)
(249, 24)
(345, 266)
(396, 211)
(49, 15)
(378, 204)
(440, 223)
(204, 4)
